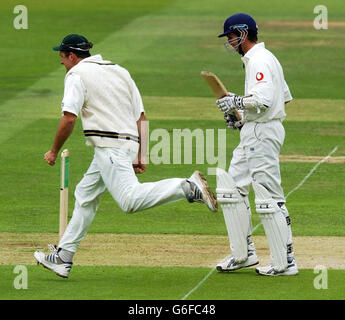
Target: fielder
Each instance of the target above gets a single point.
(255, 161)
(113, 120)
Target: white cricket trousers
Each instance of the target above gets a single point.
(112, 170)
(257, 157)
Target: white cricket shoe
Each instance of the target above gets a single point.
(196, 190)
(54, 263)
(229, 264)
(291, 270)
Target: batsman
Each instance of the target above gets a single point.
(255, 160)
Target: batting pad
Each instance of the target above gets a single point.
(235, 213)
(274, 224)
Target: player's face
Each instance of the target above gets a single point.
(233, 40)
(67, 60)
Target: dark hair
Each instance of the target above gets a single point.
(79, 54)
(252, 36)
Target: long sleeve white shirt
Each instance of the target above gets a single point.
(265, 82)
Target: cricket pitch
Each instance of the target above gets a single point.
(166, 250)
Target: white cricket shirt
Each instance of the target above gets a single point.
(265, 81)
(108, 100)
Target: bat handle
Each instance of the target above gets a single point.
(237, 115)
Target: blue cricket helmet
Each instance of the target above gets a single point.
(239, 21)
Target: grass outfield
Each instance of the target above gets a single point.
(144, 283)
(165, 45)
(41, 183)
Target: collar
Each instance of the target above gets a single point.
(252, 51)
(95, 58)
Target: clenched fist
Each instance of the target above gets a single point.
(50, 157)
(229, 103)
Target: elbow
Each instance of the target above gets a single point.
(69, 118)
(142, 117)
(71, 122)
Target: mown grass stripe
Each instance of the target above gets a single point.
(303, 180)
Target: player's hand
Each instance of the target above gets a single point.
(139, 164)
(232, 123)
(229, 122)
(226, 104)
(139, 167)
(50, 157)
(229, 103)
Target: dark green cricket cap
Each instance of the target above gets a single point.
(74, 42)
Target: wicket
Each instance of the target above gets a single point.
(63, 192)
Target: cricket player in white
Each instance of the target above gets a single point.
(113, 120)
(256, 159)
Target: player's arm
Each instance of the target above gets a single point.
(259, 97)
(287, 93)
(139, 164)
(73, 100)
(64, 130)
(230, 103)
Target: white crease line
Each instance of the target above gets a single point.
(199, 284)
(257, 226)
(312, 170)
(305, 178)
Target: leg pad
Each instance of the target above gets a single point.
(275, 226)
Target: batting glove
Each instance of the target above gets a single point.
(229, 103)
(232, 123)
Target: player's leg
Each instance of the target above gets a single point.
(292, 265)
(274, 225)
(87, 195)
(196, 189)
(233, 198)
(239, 171)
(131, 195)
(263, 160)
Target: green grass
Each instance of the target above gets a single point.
(176, 34)
(25, 61)
(165, 45)
(147, 283)
(39, 183)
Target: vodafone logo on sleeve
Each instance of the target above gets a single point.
(259, 76)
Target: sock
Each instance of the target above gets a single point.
(65, 255)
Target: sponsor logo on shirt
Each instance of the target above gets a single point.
(259, 76)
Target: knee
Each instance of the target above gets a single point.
(260, 177)
(126, 202)
(263, 199)
(88, 196)
(85, 201)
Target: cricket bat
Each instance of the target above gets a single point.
(63, 192)
(218, 89)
